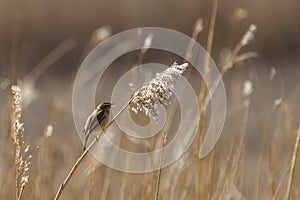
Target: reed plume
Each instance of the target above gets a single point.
(22, 159)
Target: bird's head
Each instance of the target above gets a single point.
(105, 106)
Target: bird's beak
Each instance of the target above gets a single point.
(113, 105)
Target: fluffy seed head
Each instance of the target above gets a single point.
(249, 35)
(158, 91)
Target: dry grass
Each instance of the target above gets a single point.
(22, 162)
(255, 158)
(292, 167)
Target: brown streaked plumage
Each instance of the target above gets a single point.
(97, 120)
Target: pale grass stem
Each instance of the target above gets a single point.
(51, 58)
(45, 149)
(292, 169)
(280, 182)
(163, 143)
(201, 99)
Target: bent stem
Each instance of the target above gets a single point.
(67, 179)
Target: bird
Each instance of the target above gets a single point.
(97, 120)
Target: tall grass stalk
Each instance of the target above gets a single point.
(22, 160)
(201, 98)
(292, 169)
(163, 143)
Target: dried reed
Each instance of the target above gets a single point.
(293, 162)
(22, 159)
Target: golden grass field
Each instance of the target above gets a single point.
(43, 43)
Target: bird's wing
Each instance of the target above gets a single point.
(91, 123)
(100, 116)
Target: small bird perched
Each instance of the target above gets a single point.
(97, 120)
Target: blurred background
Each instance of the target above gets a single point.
(36, 27)
(43, 42)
